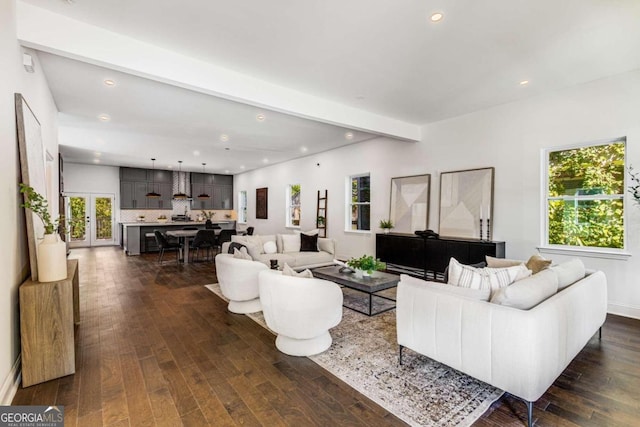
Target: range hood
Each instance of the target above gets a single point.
(181, 185)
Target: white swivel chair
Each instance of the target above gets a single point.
(238, 279)
(300, 310)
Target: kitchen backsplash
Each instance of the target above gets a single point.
(150, 215)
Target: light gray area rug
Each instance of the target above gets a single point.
(421, 392)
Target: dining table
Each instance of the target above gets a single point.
(185, 236)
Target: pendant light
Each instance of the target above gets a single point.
(204, 195)
(152, 194)
(180, 195)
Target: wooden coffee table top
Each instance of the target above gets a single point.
(378, 282)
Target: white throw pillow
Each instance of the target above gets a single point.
(288, 271)
(290, 243)
(241, 254)
(527, 293)
(270, 247)
(484, 278)
(474, 294)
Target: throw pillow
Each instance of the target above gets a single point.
(529, 292)
(501, 262)
(536, 263)
(308, 243)
(290, 243)
(270, 247)
(327, 245)
(443, 288)
(483, 278)
(242, 254)
(569, 272)
(235, 245)
(288, 271)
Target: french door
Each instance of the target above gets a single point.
(91, 218)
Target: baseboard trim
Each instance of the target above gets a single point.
(624, 310)
(11, 383)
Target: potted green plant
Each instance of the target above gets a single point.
(208, 216)
(52, 252)
(386, 225)
(320, 221)
(366, 265)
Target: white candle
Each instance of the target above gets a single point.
(480, 213)
(488, 212)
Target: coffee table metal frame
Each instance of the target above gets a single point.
(369, 285)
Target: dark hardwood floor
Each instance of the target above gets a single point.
(154, 347)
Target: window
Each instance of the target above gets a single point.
(585, 195)
(242, 207)
(293, 205)
(358, 203)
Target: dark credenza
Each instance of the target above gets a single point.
(417, 255)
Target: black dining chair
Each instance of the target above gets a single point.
(166, 245)
(224, 236)
(205, 239)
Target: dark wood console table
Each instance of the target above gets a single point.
(428, 257)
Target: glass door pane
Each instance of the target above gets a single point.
(102, 220)
(78, 220)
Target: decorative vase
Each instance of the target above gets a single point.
(208, 224)
(385, 230)
(362, 273)
(52, 259)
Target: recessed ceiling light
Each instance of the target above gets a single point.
(303, 149)
(196, 153)
(104, 117)
(170, 166)
(260, 117)
(348, 135)
(226, 171)
(241, 166)
(96, 160)
(265, 160)
(524, 82)
(97, 154)
(109, 82)
(436, 16)
(224, 137)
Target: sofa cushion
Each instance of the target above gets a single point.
(468, 293)
(308, 243)
(242, 254)
(569, 272)
(327, 245)
(290, 243)
(288, 271)
(527, 293)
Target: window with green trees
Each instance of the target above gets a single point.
(358, 202)
(585, 195)
(293, 205)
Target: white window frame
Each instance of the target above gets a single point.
(587, 251)
(290, 206)
(242, 207)
(349, 204)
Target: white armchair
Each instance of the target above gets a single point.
(238, 279)
(300, 310)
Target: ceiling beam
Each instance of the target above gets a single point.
(50, 32)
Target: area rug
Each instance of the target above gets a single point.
(421, 392)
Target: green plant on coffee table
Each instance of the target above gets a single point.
(366, 263)
(39, 206)
(386, 223)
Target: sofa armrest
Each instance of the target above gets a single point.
(327, 245)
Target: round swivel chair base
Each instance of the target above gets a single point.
(244, 307)
(309, 347)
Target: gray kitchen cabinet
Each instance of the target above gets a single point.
(223, 197)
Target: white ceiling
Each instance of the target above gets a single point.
(374, 55)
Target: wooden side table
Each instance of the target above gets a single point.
(48, 312)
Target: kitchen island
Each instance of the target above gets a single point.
(138, 237)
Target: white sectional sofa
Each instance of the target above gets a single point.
(521, 351)
(260, 249)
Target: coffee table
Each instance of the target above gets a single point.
(368, 285)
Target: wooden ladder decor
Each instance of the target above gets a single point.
(321, 215)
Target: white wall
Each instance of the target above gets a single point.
(14, 262)
(509, 138)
